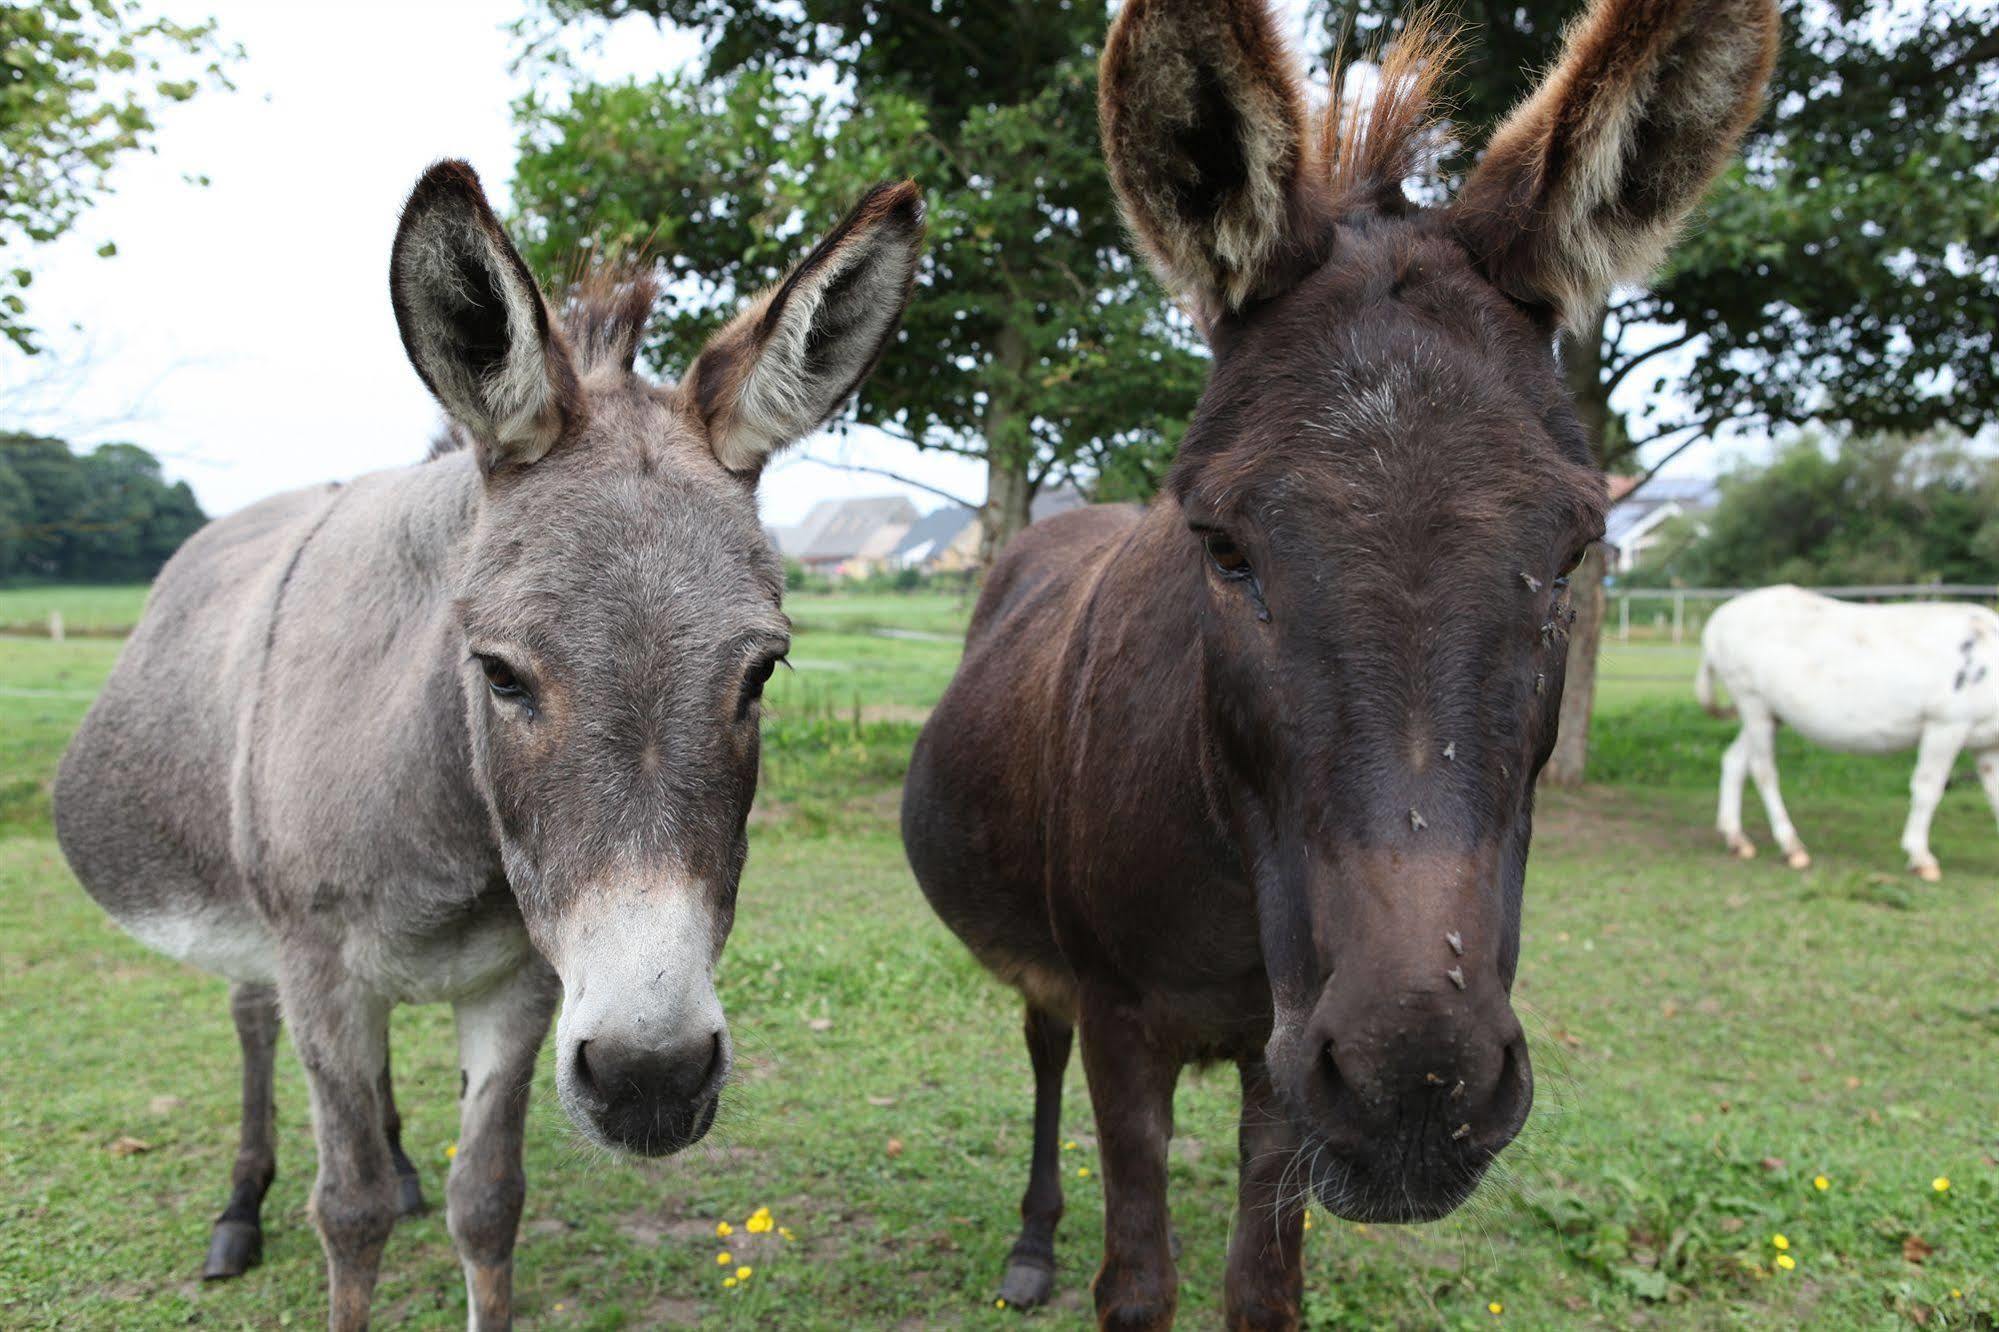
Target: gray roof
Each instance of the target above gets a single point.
(938, 528)
(1690, 493)
(847, 528)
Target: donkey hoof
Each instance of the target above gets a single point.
(1799, 859)
(1028, 1283)
(234, 1248)
(409, 1195)
(1929, 873)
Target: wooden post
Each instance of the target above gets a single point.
(55, 625)
(1679, 615)
(1624, 618)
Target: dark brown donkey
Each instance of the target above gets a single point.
(1248, 774)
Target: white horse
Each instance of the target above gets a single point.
(1866, 679)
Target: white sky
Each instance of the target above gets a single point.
(243, 331)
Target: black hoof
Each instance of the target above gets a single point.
(409, 1195)
(234, 1248)
(1028, 1283)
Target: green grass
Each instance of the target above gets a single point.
(86, 609)
(1708, 1037)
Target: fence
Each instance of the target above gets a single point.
(1674, 621)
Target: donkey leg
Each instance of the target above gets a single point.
(1728, 819)
(499, 1033)
(237, 1242)
(1131, 1088)
(341, 1029)
(409, 1184)
(1030, 1268)
(1266, 1272)
(1988, 777)
(1759, 728)
(1935, 753)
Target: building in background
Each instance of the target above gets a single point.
(1638, 517)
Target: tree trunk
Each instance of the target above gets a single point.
(1009, 451)
(1582, 364)
(1007, 510)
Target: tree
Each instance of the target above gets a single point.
(80, 85)
(1038, 343)
(1857, 510)
(1847, 269)
(104, 516)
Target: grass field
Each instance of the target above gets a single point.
(1709, 1037)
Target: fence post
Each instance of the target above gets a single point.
(1624, 618)
(1679, 615)
(55, 625)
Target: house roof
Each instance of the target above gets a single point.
(845, 533)
(937, 528)
(1661, 498)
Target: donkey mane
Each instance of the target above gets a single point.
(1369, 146)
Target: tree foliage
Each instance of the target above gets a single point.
(104, 516)
(80, 84)
(1035, 341)
(1864, 509)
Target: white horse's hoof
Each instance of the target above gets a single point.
(1799, 859)
(1930, 873)
(1742, 848)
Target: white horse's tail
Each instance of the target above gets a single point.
(1704, 690)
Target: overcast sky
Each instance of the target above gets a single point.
(243, 331)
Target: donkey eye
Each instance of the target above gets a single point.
(1226, 556)
(754, 681)
(500, 677)
(1572, 564)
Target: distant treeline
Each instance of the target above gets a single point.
(103, 516)
(1839, 512)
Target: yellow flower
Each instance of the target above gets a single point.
(743, 1273)
(785, 1231)
(1082, 1172)
(560, 1306)
(1821, 1183)
(723, 1259)
(1941, 1184)
(999, 1304)
(1779, 1243)
(727, 1282)
(1308, 1220)
(451, 1151)
(759, 1221)
(1956, 1294)
(1495, 1308)
(723, 1229)
(1068, 1146)
(1786, 1261)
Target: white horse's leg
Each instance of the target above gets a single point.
(1935, 753)
(1988, 776)
(1728, 820)
(1759, 733)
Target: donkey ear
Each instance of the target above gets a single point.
(1585, 184)
(474, 324)
(795, 354)
(1205, 135)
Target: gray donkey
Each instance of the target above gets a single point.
(482, 730)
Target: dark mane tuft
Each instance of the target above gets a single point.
(1368, 147)
(605, 316)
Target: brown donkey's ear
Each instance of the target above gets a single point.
(474, 324)
(796, 353)
(1205, 136)
(1584, 185)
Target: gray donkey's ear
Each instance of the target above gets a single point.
(1204, 132)
(796, 353)
(1586, 183)
(475, 325)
